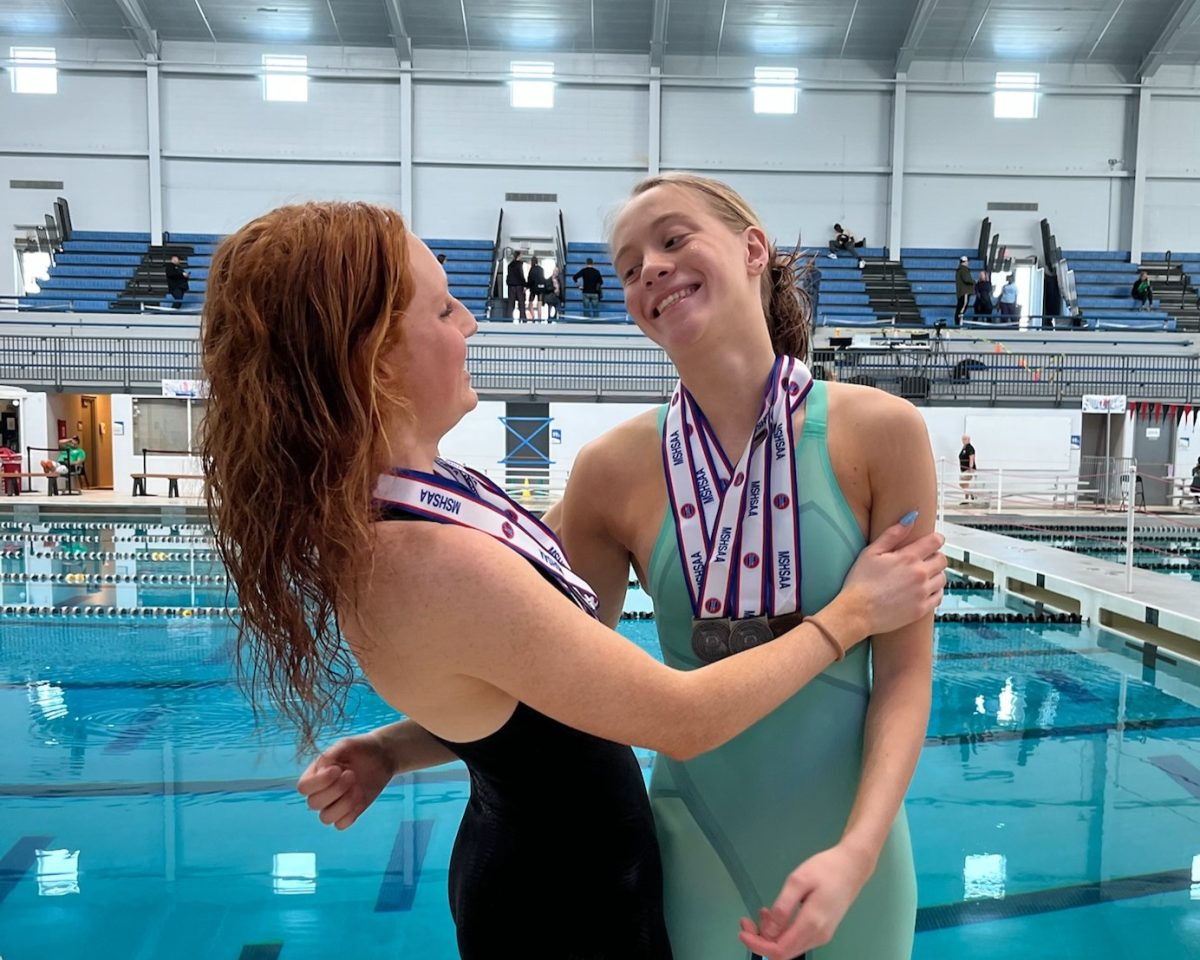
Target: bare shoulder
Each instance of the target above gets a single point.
(426, 558)
(875, 419)
(416, 573)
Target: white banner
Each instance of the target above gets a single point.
(184, 388)
(1104, 403)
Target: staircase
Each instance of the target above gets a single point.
(148, 285)
(889, 292)
(1174, 293)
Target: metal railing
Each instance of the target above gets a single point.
(548, 369)
(985, 491)
(496, 276)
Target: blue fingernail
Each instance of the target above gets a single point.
(909, 518)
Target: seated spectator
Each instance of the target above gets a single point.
(843, 241)
(983, 295)
(70, 459)
(1142, 292)
(1195, 485)
(1008, 298)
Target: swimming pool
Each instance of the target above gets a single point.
(1167, 545)
(1055, 811)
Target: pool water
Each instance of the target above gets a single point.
(1055, 810)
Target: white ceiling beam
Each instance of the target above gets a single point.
(1094, 39)
(658, 36)
(1182, 20)
(916, 29)
(144, 35)
(400, 38)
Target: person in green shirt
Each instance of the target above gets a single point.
(70, 459)
(1142, 292)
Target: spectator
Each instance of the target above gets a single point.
(843, 241)
(516, 287)
(70, 459)
(1008, 297)
(1195, 486)
(177, 281)
(983, 295)
(964, 286)
(966, 468)
(1142, 292)
(536, 284)
(553, 295)
(590, 281)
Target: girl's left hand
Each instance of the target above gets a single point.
(813, 901)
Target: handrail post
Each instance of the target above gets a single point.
(999, 488)
(941, 511)
(1129, 526)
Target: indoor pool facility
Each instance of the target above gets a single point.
(631, 466)
(143, 813)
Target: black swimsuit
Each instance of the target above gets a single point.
(556, 856)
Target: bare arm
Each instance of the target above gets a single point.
(901, 472)
(595, 553)
(552, 518)
(515, 634)
(412, 747)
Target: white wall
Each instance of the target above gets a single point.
(217, 196)
(1045, 434)
(227, 155)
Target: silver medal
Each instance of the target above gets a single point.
(710, 639)
(751, 632)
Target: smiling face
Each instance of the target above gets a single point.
(687, 275)
(429, 364)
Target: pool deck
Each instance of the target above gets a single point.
(1160, 611)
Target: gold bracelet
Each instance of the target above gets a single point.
(829, 637)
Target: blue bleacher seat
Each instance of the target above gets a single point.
(1121, 256)
(109, 235)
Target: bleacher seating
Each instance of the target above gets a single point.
(468, 268)
(842, 298)
(106, 271)
(931, 272)
(612, 304)
(89, 273)
(1103, 279)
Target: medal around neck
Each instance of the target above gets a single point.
(736, 523)
(454, 493)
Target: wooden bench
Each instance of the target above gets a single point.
(139, 482)
(12, 481)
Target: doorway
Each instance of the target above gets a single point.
(1100, 462)
(1154, 451)
(97, 434)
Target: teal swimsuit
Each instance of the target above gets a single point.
(733, 823)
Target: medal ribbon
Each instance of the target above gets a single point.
(736, 564)
(456, 494)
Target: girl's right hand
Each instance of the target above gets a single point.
(347, 778)
(897, 583)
